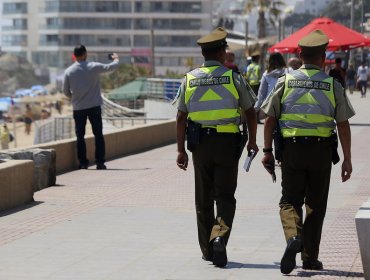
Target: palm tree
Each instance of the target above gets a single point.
(271, 7)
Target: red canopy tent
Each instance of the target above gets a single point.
(340, 37)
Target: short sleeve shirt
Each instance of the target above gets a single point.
(247, 98)
(343, 108)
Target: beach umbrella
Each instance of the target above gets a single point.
(340, 37)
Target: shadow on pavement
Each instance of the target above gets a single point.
(231, 265)
(20, 208)
(359, 124)
(119, 169)
(330, 272)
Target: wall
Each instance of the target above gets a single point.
(117, 144)
(16, 176)
(16, 181)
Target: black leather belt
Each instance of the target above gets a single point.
(306, 139)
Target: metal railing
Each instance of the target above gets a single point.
(60, 128)
(114, 117)
(111, 109)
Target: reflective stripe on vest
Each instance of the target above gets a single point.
(252, 75)
(307, 104)
(212, 99)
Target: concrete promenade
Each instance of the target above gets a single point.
(136, 220)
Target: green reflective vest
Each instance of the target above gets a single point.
(211, 98)
(253, 74)
(307, 104)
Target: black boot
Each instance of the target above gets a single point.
(219, 252)
(312, 265)
(293, 247)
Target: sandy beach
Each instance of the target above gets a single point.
(21, 138)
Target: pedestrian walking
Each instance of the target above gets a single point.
(294, 63)
(210, 102)
(308, 105)
(351, 78)
(5, 137)
(338, 72)
(253, 73)
(275, 69)
(28, 118)
(82, 85)
(230, 61)
(363, 76)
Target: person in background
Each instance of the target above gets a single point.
(244, 69)
(59, 106)
(294, 63)
(82, 85)
(210, 102)
(28, 118)
(4, 137)
(229, 61)
(253, 73)
(275, 69)
(351, 78)
(309, 148)
(363, 76)
(338, 72)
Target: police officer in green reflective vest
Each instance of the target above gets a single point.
(253, 74)
(309, 105)
(210, 103)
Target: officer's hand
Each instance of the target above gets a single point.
(268, 162)
(182, 160)
(252, 146)
(346, 170)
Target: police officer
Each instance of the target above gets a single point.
(253, 74)
(210, 102)
(309, 105)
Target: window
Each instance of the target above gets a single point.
(142, 24)
(15, 40)
(15, 8)
(186, 7)
(19, 23)
(52, 23)
(141, 41)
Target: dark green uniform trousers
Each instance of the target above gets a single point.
(306, 168)
(216, 171)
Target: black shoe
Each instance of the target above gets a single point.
(312, 265)
(219, 252)
(84, 165)
(101, 166)
(206, 259)
(293, 247)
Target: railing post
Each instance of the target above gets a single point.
(55, 129)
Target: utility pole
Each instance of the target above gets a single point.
(351, 60)
(152, 43)
(362, 17)
(246, 37)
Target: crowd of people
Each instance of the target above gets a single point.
(28, 114)
(263, 83)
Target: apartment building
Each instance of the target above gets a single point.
(313, 7)
(152, 32)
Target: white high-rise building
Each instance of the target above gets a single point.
(46, 31)
(313, 7)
